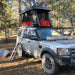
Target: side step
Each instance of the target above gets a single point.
(14, 52)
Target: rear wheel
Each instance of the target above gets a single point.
(20, 51)
(49, 64)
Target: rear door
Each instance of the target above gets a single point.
(25, 40)
(33, 42)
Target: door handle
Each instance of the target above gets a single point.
(40, 46)
(29, 41)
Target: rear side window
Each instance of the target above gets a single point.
(32, 34)
(19, 33)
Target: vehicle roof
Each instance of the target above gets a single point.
(21, 28)
(36, 8)
(33, 28)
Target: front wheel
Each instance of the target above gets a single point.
(49, 64)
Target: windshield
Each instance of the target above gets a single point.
(46, 33)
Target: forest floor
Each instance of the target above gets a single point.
(25, 66)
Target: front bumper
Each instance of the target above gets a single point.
(67, 60)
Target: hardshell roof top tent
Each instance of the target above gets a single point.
(36, 16)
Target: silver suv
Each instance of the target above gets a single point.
(48, 45)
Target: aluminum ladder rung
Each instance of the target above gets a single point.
(14, 52)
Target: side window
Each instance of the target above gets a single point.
(32, 35)
(19, 33)
(25, 33)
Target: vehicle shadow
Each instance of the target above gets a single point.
(25, 67)
(31, 68)
(66, 70)
(17, 58)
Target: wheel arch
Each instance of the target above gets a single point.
(50, 69)
(23, 52)
(50, 51)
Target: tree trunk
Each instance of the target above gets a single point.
(6, 39)
(72, 25)
(46, 2)
(19, 12)
(30, 3)
(33, 2)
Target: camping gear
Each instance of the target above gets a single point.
(36, 16)
(3, 52)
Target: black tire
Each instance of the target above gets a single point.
(20, 51)
(49, 64)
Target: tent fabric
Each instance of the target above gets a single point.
(27, 23)
(4, 53)
(45, 23)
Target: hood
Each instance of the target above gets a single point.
(66, 42)
(62, 43)
(57, 38)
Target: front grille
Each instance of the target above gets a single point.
(73, 53)
(72, 50)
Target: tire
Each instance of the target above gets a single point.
(49, 64)
(20, 51)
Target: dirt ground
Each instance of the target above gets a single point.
(25, 66)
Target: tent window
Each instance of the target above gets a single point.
(43, 17)
(27, 19)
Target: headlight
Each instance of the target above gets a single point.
(63, 51)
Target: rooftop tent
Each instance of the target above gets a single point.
(36, 16)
